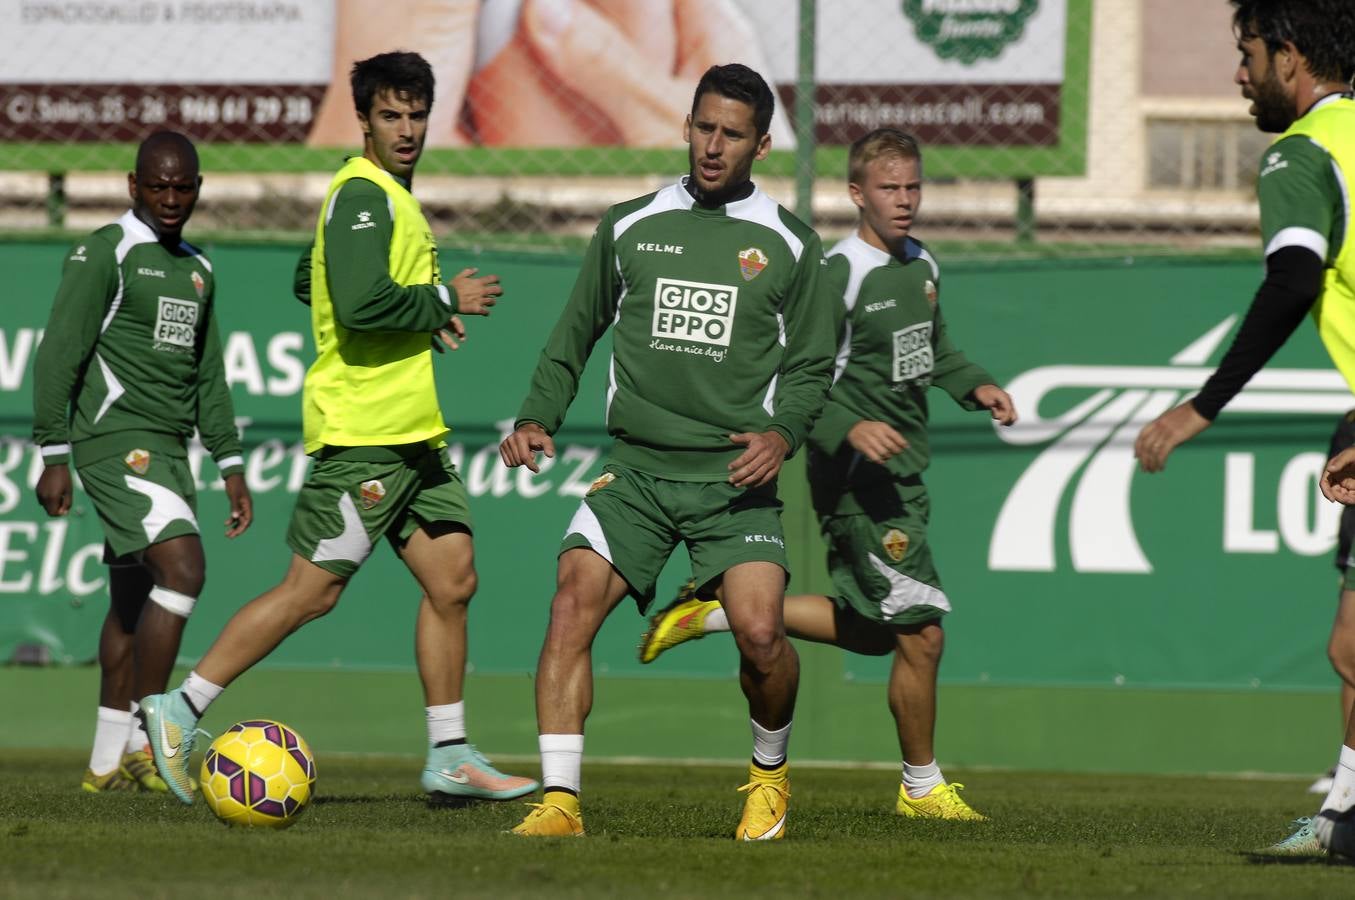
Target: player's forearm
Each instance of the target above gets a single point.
(365, 298)
(1294, 277)
(216, 411)
(357, 270)
(301, 276)
(831, 427)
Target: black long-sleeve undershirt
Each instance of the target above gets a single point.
(1294, 277)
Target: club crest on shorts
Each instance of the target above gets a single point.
(138, 461)
(751, 263)
(372, 492)
(929, 288)
(601, 482)
(895, 543)
(198, 284)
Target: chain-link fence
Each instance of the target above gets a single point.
(1049, 126)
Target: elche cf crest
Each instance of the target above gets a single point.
(372, 493)
(751, 263)
(138, 461)
(199, 284)
(895, 543)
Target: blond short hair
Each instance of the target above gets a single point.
(879, 144)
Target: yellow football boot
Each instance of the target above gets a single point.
(765, 810)
(942, 802)
(108, 783)
(139, 767)
(679, 623)
(558, 815)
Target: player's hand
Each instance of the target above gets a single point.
(54, 489)
(474, 296)
(876, 441)
(450, 337)
(998, 402)
(1165, 433)
(520, 447)
(242, 505)
(761, 462)
(1338, 481)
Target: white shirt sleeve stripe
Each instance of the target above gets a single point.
(1299, 237)
(55, 450)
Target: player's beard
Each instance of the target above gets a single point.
(1274, 110)
(736, 176)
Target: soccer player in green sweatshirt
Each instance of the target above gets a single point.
(721, 357)
(129, 366)
(867, 453)
(372, 423)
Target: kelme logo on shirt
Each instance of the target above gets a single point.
(79, 254)
(364, 221)
(751, 263)
(1274, 162)
(372, 493)
(895, 543)
(694, 311)
(913, 352)
(138, 461)
(177, 324)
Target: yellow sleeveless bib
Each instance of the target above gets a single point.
(372, 388)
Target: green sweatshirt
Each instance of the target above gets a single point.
(718, 327)
(131, 356)
(893, 345)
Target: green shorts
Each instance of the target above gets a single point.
(142, 498)
(346, 505)
(635, 521)
(881, 565)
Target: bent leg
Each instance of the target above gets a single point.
(587, 589)
(307, 592)
(769, 668)
(912, 688)
(178, 569)
(814, 617)
(442, 559)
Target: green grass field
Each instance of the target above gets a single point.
(662, 830)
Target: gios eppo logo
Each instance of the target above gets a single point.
(694, 311)
(1095, 440)
(176, 324)
(969, 30)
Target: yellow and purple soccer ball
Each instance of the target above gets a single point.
(258, 773)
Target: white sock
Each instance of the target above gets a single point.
(1341, 797)
(110, 736)
(446, 722)
(561, 760)
(200, 692)
(919, 781)
(769, 747)
(715, 620)
(137, 739)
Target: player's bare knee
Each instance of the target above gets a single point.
(762, 645)
(455, 595)
(1341, 654)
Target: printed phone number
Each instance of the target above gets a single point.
(200, 109)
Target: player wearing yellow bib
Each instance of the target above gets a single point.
(1298, 58)
(373, 426)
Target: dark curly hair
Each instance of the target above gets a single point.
(738, 82)
(399, 71)
(1322, 30)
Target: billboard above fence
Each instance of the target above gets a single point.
(1004, 76)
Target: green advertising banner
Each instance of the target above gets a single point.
(1064, 564)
